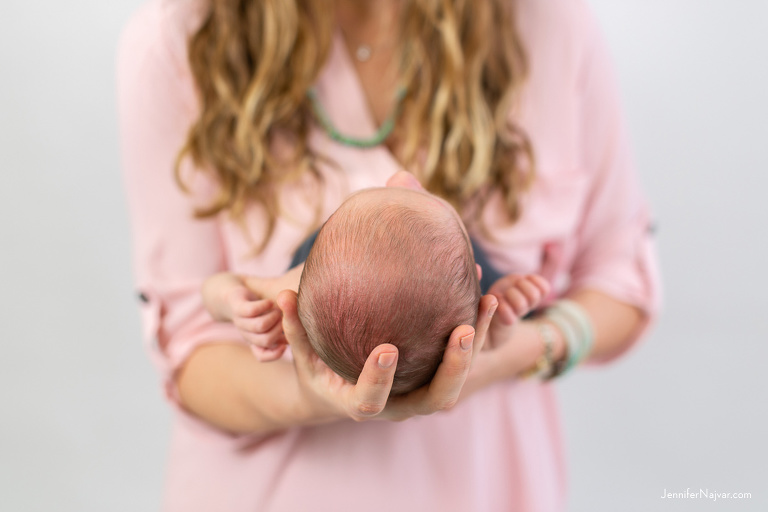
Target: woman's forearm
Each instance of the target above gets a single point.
(614, 323)
(223, 384)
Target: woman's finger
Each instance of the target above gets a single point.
(443, 391)
(294, 331)
(486, 310)
(404, 179)
(371, 392)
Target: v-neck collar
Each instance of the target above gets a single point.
(342, 95)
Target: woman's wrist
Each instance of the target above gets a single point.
(298, 406)
(574, 324)
(528, 347)
(553, 349)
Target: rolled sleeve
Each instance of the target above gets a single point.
(616, 253)
(173, 252)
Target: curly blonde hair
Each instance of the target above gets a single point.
(463, 65)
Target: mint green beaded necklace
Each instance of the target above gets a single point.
(381, 134)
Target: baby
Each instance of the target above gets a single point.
(391, 265)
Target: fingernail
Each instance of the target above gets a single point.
(387, 359)
(493, 309)
(466, 341)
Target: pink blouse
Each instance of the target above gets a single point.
(585, 224)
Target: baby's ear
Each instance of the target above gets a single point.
(479, 272)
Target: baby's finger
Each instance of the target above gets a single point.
(251, 309)
(260, 324)
(270, 346)
(275, 337)
(505, 282)
(269, 340)
(371, 392)
(531, 292)
(517, 301)
(240, 294)
(541, 283)
(265, 355)
(505, 313)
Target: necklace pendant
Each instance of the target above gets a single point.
(363, 53)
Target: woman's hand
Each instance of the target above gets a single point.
(331, 397)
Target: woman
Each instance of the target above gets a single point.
(270, 111)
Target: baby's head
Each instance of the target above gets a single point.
(391, 265)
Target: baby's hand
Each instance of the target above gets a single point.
(259, 321)
(518, 295)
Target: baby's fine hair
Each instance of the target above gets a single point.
(387, 273)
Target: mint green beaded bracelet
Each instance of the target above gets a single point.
(577, 331)
(579, 317)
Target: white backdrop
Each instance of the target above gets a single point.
(82, 424)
